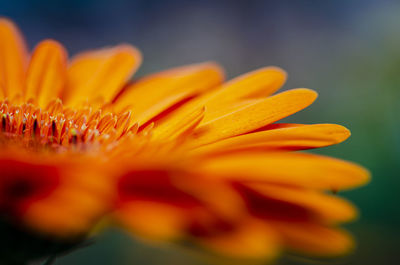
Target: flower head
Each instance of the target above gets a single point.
(176, 155)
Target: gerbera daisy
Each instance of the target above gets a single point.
(178, 155)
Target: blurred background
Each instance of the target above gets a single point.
(347, 50)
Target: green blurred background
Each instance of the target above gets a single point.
(349, 51)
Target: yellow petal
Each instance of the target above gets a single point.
(100, 75)
(297, 169)
(152, 95)
(251, 240)
(327, 207)
(13, 59)
(314, 239)
(255, 115)
(296, 137)
(46, 74)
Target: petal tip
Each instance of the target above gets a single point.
(365, 175)
(130, 50)
(4, 21)
(277, 70)
(360, 176)
(341, 133)
(53, 44)
(207, 65)
(215, 66)
(311, 92)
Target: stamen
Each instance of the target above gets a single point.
(57, 127)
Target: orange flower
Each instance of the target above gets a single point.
(177, 155)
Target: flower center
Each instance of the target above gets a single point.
(58, 128)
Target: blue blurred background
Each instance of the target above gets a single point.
(348, 50)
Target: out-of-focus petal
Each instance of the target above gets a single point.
(314, 239)
(13, 59)
(152, 220)
(298, 169)
(50, 196)
(156, 93)
(313, 204)
(250, 240)
(46, 74)
(100, 75)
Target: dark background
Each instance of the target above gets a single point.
(349, 51)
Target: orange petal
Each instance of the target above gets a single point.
(259, 83)
(53, 181)
(251, 240)
(46, 73)
(49, 218)
(236, 92)
(152, 220)
(315, 239)
(255, 115)
(230, 107)
(170, 130)
(326, 207)
(2, 91)
(100, 75)
(297, 169)
(82, 68)
(13, 59)
(152, 95)
(296, 137)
